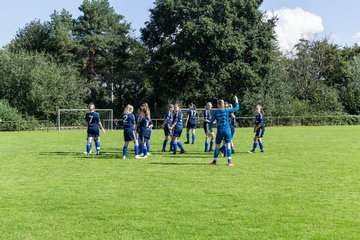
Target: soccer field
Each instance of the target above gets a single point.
(306, 186)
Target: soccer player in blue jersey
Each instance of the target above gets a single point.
(167, 123)
(176, 128)
(145, 125)
(259, 129)
(232, 123)
(223, 129)
(129, 124)
(191, 121)
(93, 121)
(209, 135)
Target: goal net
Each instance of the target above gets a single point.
(75, 118)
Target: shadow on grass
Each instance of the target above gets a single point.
(103, 155)
(178, 163)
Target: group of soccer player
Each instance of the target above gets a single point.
(137, 129)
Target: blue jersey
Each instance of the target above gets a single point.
(260, 120)
(168, 118)
(192, 115)
(178, 120)
(207, 116)
(92, 119)
(222, 117)
(144, 127)
(129, 122)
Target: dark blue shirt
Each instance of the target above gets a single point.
(192, 115)
(144, 128)
(129, 122)
(169, 118)
(178, 120)
(92, 119)
(207, 116)
(259, 119)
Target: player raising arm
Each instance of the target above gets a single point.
(223, 129)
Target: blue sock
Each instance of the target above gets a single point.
(147, 146)
(171, 145)
(206, 146)
(136, 150)
(97, 144)
(140, 149)
(216, 154)
(232, 150)
(187, 137)
(164, 144)
(254, 145)
(124, 151)
(180, 146)
(88, 147)
(174, 147)
(193, 138)
(211, 144)
(144, 150)
(261, 146)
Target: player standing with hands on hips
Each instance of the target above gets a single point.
(223, 129)
(93, 121)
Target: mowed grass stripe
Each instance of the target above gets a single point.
(306, 186)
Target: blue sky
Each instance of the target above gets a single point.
(338, 20)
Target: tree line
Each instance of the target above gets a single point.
(188, 51)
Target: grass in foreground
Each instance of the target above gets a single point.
(306, 186)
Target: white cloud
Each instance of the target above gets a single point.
(356, 38)
(335, 39)
(294, 24)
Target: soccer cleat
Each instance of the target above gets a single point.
(251, 151)
(124, 157)
(182, 151)
(230, 164)
(144, 156)
(187, 142)
(262, 151)
(213, 163)
(148, 154)
(137, 157)
(98, 153)
(163, 150)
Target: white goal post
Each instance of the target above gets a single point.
(106, 115)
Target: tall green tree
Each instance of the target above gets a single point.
(32, 37)
(36, 84)
(203, 50)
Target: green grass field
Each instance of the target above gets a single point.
(306, 186)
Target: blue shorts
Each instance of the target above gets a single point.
(260, 132)
(223, 134)
(191, 125)
(144, 138)
(206, 127)
(129, 135)
(93, 133)
(167, 131)
(177, 132)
